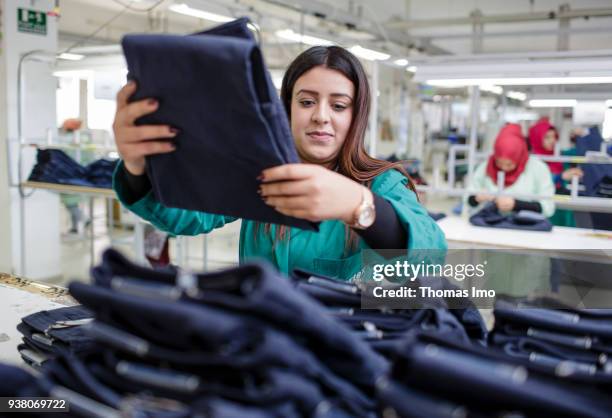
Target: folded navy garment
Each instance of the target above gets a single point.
(490, 217)
(214, 87)
(578, 322)
(55, 166)
(461, 372)
(256, 290)
(100, 173)
(58, 330)
(585, 366)
(398, 400)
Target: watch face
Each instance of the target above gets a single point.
(366, 217)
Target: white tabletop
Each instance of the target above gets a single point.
(459, 230)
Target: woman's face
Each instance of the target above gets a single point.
(505, 164)
(549, 140)
(321, 113)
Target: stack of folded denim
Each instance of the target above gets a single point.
(384, 328)
(570, 343)
(47, 334)
(100, 173)
(242, 338)
(55, 166)
(434, 375)
(489, 216)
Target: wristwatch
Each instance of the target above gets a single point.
(365, 214)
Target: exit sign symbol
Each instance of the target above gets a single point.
(31, 21)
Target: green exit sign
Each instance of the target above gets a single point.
(31, 21)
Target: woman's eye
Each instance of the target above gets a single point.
(307, 103)
(339, 107)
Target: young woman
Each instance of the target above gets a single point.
(543, 137)
(523, 174)
(361, 202)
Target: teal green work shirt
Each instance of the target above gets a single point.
(325, 252)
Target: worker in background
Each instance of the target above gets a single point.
(543, 137)
(362, 202)
(72, 202)
(523, 174)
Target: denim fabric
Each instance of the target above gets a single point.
(594, 174)
(596, 181)
(490, 217)
(55, 166)
(400, 400)
(462, 373)
(271, 350)
(100, 173)
(573, 322)
(581, 366)
(258, 290)
(75, 374)
(590, 142)
(265, 387)
(326, 290)
(57, 330)
(224, 338)
(232, 126)
(16, 382)
(562, 341)
(344, 300)
(87, 377)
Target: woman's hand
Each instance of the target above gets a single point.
(505, 203)
(311, 192)
(136, 142)
(571, 172)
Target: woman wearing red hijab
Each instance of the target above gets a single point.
(543, 137)
(523, 174)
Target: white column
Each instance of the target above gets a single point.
(37, 219)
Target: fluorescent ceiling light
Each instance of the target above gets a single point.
(517, 95)
(70, 57)
(290, 35)
(190, 11)
(82, 74)
(401, 62)
(412, 69)
(491, 88)
(553, 103)
(369, 54)
(518, 81)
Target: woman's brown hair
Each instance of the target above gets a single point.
(353, 160)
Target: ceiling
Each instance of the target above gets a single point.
(403, 28)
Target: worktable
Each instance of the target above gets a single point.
(20, 297)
